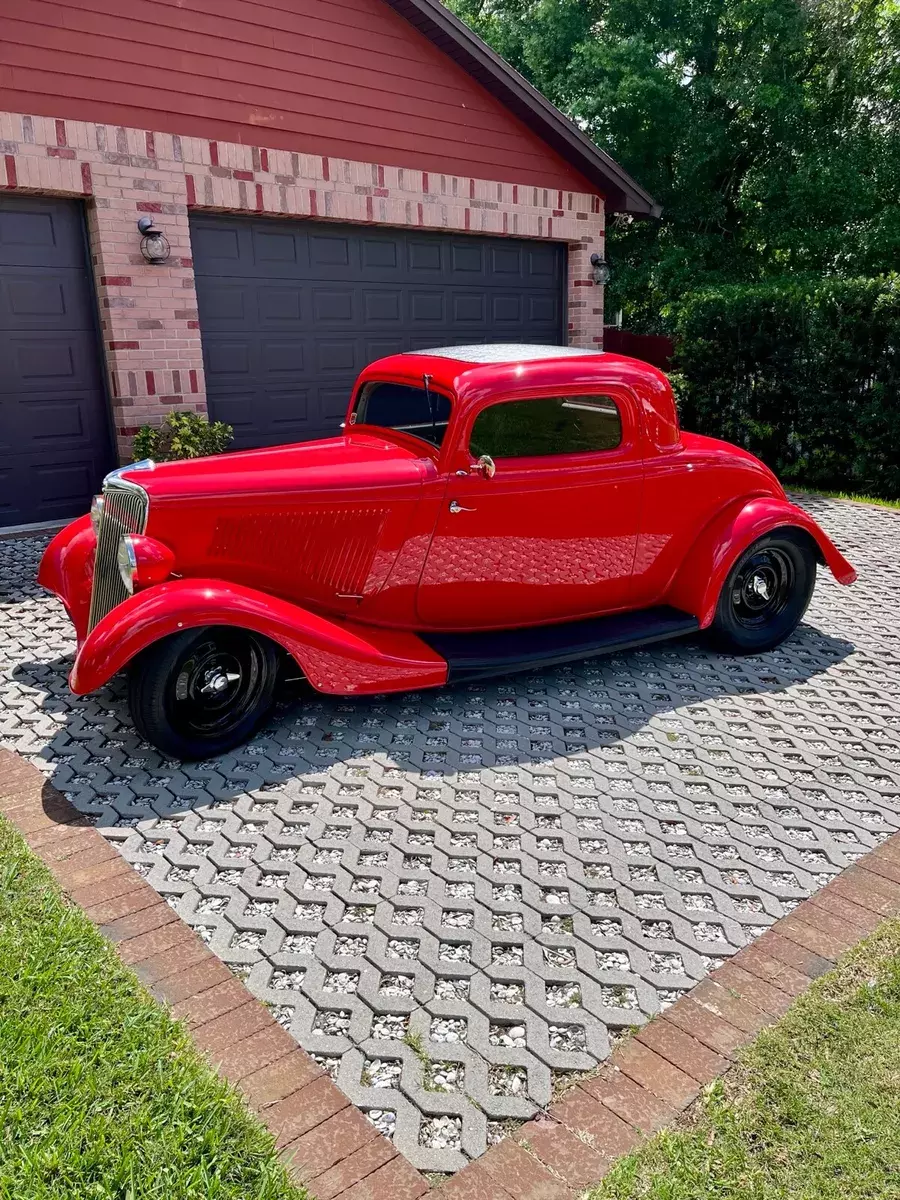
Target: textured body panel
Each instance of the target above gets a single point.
(331, 547)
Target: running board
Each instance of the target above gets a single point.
(504, 651)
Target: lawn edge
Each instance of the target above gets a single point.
(328, 1146)
(881, 505)
(327, 1143)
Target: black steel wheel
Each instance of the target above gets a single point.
(762, 586)
(202, 692)
(766, 593)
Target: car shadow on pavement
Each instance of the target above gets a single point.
(567, 720)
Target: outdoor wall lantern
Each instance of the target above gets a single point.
(154, 245)
(601, 270)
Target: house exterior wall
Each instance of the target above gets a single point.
(351, 79)
(148, 313)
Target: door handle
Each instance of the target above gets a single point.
(456, 507)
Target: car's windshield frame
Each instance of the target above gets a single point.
(359, 415)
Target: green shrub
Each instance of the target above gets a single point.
(803, 373)
(182, 435)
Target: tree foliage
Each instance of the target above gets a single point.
(767, 129)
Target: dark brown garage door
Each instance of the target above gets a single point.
(54, 428)
(291, 311)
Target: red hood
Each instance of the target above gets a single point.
(356, 461)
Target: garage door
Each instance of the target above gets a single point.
(291, 311)
(54, 428)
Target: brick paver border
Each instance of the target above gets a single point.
(328, 1143)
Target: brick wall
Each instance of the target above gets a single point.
(148, 313)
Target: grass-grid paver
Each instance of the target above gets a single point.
(456, 899)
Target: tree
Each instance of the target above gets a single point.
(767, 129)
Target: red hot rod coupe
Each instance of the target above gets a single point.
(485, 509)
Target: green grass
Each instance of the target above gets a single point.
(101, 1094)
(811, 1113)
(845, 496)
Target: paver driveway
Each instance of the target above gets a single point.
(455, 898)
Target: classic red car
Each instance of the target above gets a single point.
(485, 509)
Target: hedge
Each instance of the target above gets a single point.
(805, 374)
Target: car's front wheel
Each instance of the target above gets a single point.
(765, 594)
(202, 692)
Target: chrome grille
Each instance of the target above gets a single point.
(124, 511)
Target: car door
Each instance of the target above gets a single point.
(552, 534)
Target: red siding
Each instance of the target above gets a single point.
(347, 78)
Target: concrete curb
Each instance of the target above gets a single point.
(327, 1142)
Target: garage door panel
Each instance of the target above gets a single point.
(506, 260)
(238, 408)
(37, 232)
(55, 443)
(465, 257)
(41, 299)
(427, 307)
(336, 357)
(226, 360)
(542, 310)
(374, 348)
(264, 416)
(468, 308)
(276, 305)
(425, 255)
(507, 309)
(333, 306)
(381, 255)
(36, 487)
(383, 307)
(327, 292)
(226, 304)
(274, 246)
(329, 251)
(45, 419)
(220, 244)
(288, 412)
(331, 407)
(542, 263)
(40, 359)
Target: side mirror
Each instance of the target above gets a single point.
(486, 466)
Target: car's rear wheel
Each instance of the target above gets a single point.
(766, 593)
(204, 691)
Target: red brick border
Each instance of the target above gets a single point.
(328, 1143)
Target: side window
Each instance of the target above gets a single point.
(405, 408)
(564, 425)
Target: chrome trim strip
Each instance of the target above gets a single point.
(125, 511)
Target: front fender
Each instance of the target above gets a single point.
(698, 582)
(338, 657)
(67, 567)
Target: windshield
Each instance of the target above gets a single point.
(423, 413)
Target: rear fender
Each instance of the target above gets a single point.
(696, 586)
(335, 656)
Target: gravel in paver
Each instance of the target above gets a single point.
(521, 868)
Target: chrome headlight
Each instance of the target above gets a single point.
(127, 560)
(96, 514)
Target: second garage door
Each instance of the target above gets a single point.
(291, 311)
